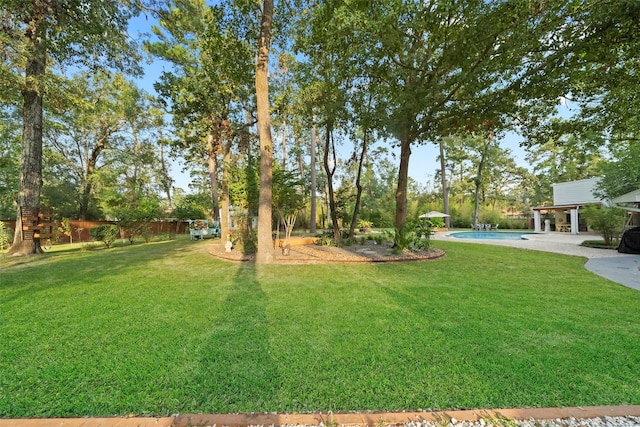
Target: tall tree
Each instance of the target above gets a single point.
(283, 94)
(327, 78)
(313, 143)
(561, 159)
(363, 105)
(443, 182)
(439, 64)
(265, 241)
(621, 173)
(9, 161)
(90, 124)
(89, 33)
(602, 67)
(208, 90)
(486, 148)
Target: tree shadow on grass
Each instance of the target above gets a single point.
(25, 276)
(237, 371)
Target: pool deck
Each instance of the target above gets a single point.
(610, 264)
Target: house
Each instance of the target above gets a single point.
(568, 199)
(630, 202)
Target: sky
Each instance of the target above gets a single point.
(423, 163)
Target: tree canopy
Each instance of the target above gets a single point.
(373, 78)
(91, 34)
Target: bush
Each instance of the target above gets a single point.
(380, 239)
(600, 244)
(106, 233)
(162, 237)
(325, 239)
(244, 238)
(608, 221)
(436, 222)
(513, 224)
(350, 241)
(415, 236)
(4, 236)
(364, 225)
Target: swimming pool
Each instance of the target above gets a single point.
(491, 235)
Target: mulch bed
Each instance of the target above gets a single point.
(314, 254)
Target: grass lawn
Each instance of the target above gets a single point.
(165, 328)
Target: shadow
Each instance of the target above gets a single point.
(237, 371)
(95, 333)
(81, 268)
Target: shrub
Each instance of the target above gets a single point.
(513, 224)
(364, 225)
(600, 244)
(325, 239)
(608, 221)
(436, 222)
(350, 241)
(380, 239)
(106, 233)
(65, 228)
(244, 238)
(164, 237)
(132, 228)
(414, 236)
(147, 234)
(4, 236)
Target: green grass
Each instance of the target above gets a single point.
(165, 328)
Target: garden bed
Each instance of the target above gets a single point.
(599, 244)
(314, 254)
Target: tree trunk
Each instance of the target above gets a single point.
(224, 200)
(83, 209)
(212, 146)
(477, 201)
(284, 143)
(92, 162)
(356, 208)
(31, 157)
(264, 254)
(165, 178)
(314, 184)
(478, 179)
(403, 182)
(445, 190)
(330, 170)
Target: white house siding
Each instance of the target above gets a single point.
(575, 192)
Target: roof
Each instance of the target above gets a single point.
(632, 197)
(558, 207)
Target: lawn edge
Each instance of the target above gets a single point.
(364, 418)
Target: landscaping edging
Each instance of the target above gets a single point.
(313, 254)
(600, 415)
(442, 418)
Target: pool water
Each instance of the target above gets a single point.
(492, 235)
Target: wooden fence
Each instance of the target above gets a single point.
(80, 229)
